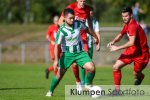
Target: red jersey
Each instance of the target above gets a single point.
(134, 29)
(81, 14)
(52, 31)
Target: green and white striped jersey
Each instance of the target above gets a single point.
(96, 28)
(70, 38)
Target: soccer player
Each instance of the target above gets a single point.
(82, 13)
(72, 47)
(96, 29)
(136, 49)
(50, 36)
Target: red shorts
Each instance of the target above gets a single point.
(51, 49)
(140, 61)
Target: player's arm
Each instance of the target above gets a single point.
(126, 45)
(61, 20)
(58, 41)
(89, 31)
(98, 45)
(48, 38)
(89, 22)
(97, 32)
(56, 52)
(116, 39)
(48, 34)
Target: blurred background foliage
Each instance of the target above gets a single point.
(42, 11)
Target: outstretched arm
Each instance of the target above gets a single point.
(126, 45)
(116, 39)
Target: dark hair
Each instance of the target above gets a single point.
(68, 11)
(127, 9)
(92, 9)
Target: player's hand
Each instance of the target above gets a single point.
(52, 42)
(96, 41)
(110, 44)
(55, 64)
(98, 47)
(113, 48)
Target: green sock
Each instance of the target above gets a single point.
(89, 78)
(83, 74)
(54, 83)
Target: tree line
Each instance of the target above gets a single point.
(42, 11)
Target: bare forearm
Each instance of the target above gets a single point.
(56, 52)
(117, 38)
(47, 37)
(99, 36)
(129, 43)
(89, 31)
(126, 45)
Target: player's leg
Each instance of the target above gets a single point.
(89, 66)
(75, 67)
(117, 73)
(65, 62)
(84, 61)
(123, 60)
(50, 68)
(139, 65)
(55, 80)
(83, 75)
(86, 49)
(75, 70)
(90, 53)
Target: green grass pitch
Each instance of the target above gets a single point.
(27, 82)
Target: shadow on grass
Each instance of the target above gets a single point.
(28, 88)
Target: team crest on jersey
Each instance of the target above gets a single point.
(80, 19)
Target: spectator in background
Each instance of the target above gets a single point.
(50, 36)
(136, 10)
(144, 26)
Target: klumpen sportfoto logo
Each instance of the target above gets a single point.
(109, 90)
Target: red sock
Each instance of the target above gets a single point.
(50, 68)
(75, 70)
(117, 79)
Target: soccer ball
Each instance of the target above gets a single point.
(95, 91)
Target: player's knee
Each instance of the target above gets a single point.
(58, 76)
(91, 67)
(115, 67)
(74, 65)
